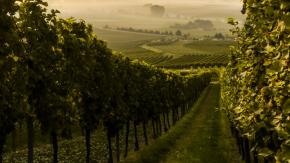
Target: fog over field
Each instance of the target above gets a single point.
(229, 2)
(137, 14)
(74, 6)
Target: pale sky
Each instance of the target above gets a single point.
(81, 5)
(233, 3)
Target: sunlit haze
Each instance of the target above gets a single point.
(133, 13)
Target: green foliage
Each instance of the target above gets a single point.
(167, 144)
(9, 47)
(56, 72)
(256, 81)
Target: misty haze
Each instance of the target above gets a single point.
(137, 13)
(198, 19)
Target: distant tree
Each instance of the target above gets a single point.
(178, 33)
(107, 26)
(157, 32)
(186, 36)
(157, 10)
(204, 24)
(219, 36)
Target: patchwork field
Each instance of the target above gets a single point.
(181, 54)
(123, 41)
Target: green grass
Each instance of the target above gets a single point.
(158, 149)
(128, 43)
(139, 53)
(122, 40)
(201, 136)
(204, 47)
(208, 139)
(210, 47)
(176, 49)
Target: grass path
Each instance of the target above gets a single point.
(208, 139)
(202, 136)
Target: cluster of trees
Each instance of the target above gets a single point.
(197, 24)
(55, 72)
(156, 10)
(256, 86)
(219, 36)
(150, 31)
(169, 33)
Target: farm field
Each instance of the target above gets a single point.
(203, 47)
(122, 40)
(210, 46)
(194, 61)
(182, 53)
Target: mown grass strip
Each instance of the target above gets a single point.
(156, 151)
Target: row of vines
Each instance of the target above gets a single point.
(56, 73)
(256, 83)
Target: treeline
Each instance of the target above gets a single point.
(149, 31)
(197, 24)
(130, 29)
(256, 89)
(177, 33)
(56, 73)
